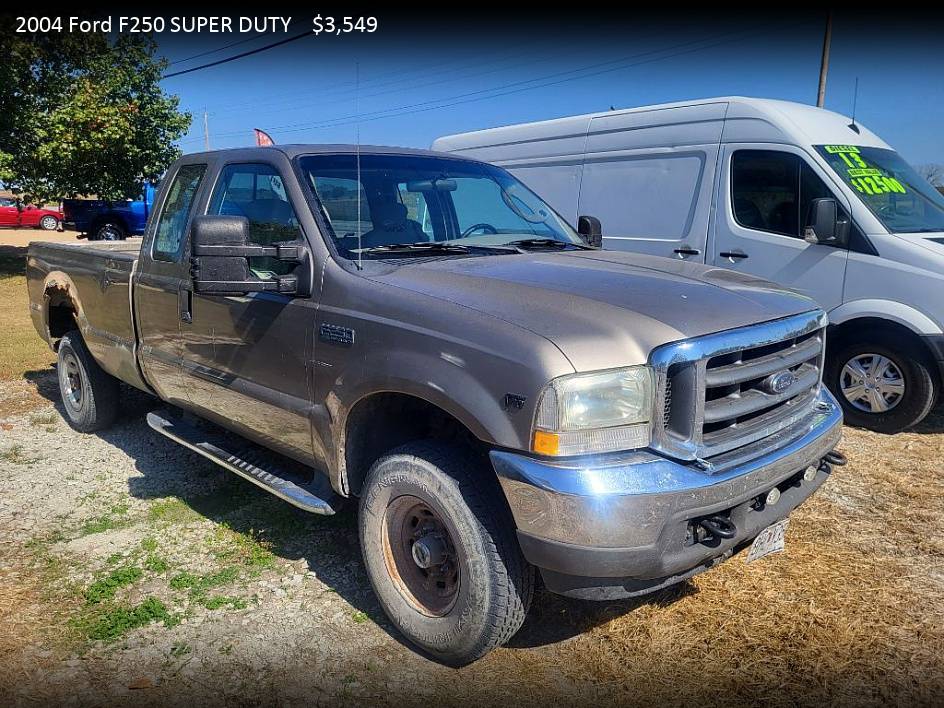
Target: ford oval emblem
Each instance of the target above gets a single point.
(781, 381)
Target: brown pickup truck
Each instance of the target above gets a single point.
(424, 333)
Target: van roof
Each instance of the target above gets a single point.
(746, 120)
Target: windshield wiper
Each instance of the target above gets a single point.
(423, 247)
(527, 243)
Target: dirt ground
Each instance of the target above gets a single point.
(134, 571)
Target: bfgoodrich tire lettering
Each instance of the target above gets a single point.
(89, 395)
(495, 583)
(908, 361)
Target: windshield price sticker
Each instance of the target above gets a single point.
(867, 180)
(839, 149)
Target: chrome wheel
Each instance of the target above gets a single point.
(70, 379)
(872, 383)
(49, 223)
(420, 556)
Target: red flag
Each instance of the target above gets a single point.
(263, 139)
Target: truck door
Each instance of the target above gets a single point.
(648, 177)
(159, 293)
(247, 358)
(763, 203)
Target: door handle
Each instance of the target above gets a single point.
(734, 255)
(685, 251)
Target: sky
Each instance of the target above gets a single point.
(416, 79)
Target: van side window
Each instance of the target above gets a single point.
(175, 213)
(772, 191)
(256, 191)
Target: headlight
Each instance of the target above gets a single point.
(598, 412)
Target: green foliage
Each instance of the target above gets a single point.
(83, 114)
(105, 588)
(218, 601)
(113, 622)
(199, 585)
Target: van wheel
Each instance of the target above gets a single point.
(881, 384)
(441, 552)
(89, 395)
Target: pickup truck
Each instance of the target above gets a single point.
(101, 220)
(425, 334)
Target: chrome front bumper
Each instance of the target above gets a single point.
(626, 516)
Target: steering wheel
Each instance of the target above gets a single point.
(487, 228)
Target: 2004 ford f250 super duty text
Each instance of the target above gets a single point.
(424, 333)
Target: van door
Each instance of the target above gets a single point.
(762, 206)
(648, 176)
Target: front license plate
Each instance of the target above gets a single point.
(768, 541)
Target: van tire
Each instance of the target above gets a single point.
(89, 395)
(908, 360)
(465, 515)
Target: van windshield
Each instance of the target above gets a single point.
(901, 199)
(412, 199)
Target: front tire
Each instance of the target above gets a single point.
(441, 552)
(882, 383)
(49, 223)
(89, 395)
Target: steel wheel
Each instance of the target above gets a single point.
(70, 378)
(872, 383)
(421, 556)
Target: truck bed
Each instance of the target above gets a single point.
(87, 286)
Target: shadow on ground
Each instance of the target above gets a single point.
(328, 544)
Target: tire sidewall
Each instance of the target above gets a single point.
(460, 631)
(109, 232)
(919, 386)
(80, 417)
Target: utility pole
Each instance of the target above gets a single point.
(824, 64)
(206, 130)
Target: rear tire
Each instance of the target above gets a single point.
(883, 382)
(49, 223)
(89, 395)
(110, 231)
(430, 503)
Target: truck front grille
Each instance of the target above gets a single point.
(733, 388)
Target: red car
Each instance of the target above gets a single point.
(28, 216)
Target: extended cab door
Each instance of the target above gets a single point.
(247, 358)
(762, 207)
(160, 290)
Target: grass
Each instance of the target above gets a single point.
(200, 585)
(172, 511)
(114, 621)
(16, 455)
(44, 419)
(105, 589)
(21, 348)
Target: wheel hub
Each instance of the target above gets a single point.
(70, 378)
(872, 383)
(420, 555)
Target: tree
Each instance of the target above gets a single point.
(933, 173)
(80, 114)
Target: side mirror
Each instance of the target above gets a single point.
(823, 224)
(591, 230)
(219, 264)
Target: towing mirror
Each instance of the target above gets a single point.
(590, 228)
(823, 224)
(219, 264)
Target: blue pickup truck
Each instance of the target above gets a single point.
(100, 220)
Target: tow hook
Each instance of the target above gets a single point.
(719, 527)
(835, 458)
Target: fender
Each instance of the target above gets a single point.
(897, 312)
(59, 283)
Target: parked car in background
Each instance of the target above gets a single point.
(423, 332)
(100, 220)
(14, 213)
(791, 193)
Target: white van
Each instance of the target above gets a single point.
(783, 191)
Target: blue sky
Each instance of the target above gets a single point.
(422, 82)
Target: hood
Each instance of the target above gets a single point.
(602, 308)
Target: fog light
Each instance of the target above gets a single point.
(773, 496)
(809, 474)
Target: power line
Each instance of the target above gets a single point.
(239, 56)
(514, 87)
(214, 51)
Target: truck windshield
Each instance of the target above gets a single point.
(408, 199)
(901, 199)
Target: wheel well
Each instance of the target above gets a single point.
(61, 312)
(862, 328)
(109, 219)
(384, 421)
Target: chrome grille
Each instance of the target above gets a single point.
(722, 391)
